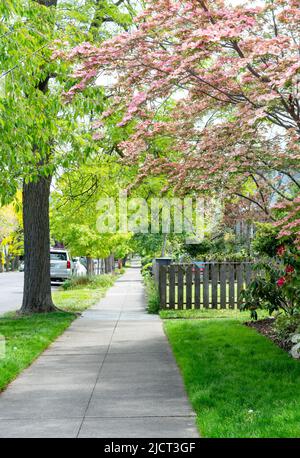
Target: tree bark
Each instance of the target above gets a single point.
(90, 266)
(107, 262)
(7, 262)
(112, 261)
(37, 285)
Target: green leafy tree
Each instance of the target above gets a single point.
(74, 211)
(11, 233)
(40, 134)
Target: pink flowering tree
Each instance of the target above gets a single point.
(230, 79)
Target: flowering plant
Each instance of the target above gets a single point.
(276, 285)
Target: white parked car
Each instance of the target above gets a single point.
(61, 265)
(79, 268)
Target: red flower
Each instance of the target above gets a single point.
(281, 281)
(280, 250)
(289, 269)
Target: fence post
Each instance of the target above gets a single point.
(163, 286)
(197, 288)
(231, 286)
(172, 286)
(206, 286)
(180, 287)
(248, 267)
(214, 285)
(188, 285)
(155, 271)
(240, 281)
(223, 285)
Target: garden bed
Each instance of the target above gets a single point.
(266, 328)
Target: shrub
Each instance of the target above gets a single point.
(146, 260)
(239, 256)
(286, 325)
(147, 269)
(265, 242)
(277, 285)
(152, 294)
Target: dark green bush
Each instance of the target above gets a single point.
(265, 242)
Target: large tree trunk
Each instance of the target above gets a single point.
(90, 266)
(37, 285)
(109, 264)
(106, 265)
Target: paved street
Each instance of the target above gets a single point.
(11, 291)
(111, 374)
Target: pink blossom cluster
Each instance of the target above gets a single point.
(237, 71)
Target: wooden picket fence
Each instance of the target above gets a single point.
(214, 285)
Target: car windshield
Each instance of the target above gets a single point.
(54, 256)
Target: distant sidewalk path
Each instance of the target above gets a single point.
(111, 374)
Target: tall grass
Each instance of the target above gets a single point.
(93, 282)
(152, 294)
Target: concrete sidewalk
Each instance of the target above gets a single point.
(111, 374)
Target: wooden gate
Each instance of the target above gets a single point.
(213, 285)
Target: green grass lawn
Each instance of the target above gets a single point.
(239, 382)
(27, 336)
(77, 300)
(198, 314)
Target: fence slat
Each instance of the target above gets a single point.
(171, 270)
(206, 286)
(197, 287)
(223, 285)
(240, 280)
(185, 286)
(231, 286)
(214, 285)
(180, 288)
(248, 268)
(163, 286)
(188, 285)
